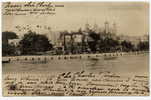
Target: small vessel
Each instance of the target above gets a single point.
(5, 61)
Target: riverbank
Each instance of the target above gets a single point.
(73, 56)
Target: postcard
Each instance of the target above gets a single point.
(75, 49)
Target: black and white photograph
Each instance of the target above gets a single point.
(75, 49)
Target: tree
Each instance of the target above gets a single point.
(127, 46)
(93, 42)
(8, 35)
(8, 49)
(33, 43)
(108, 45)
(143, 45)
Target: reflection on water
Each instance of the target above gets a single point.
(131, 64)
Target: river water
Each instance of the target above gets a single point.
(125, 65)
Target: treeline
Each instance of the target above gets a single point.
(32, 44)
(114, 44)
(109, 44)
(8, 49)
(106, 42)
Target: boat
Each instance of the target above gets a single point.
(5, 61)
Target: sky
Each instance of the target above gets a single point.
(131, 18)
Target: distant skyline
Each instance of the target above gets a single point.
(131, 18)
